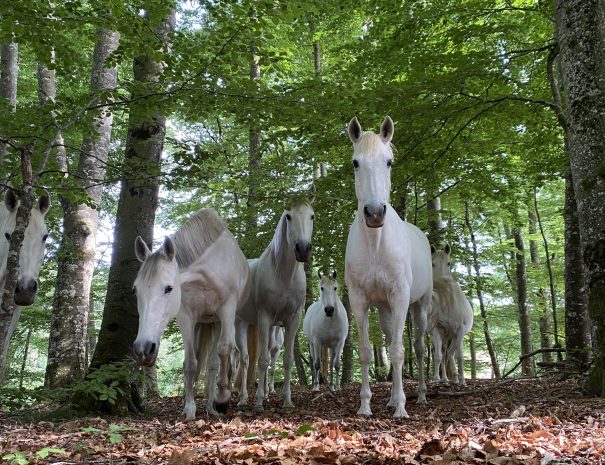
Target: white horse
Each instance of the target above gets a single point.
(450, 318)
(30, 256)
(387, 264)
(326, 325)
(277, 297)
(201, 277)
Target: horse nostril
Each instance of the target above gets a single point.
(297, 247)
(35, 286)
(151, 348)
(17, 289)
(384, 209)
(366, 212)
(309, 247)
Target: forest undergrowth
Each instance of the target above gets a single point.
(536, 421)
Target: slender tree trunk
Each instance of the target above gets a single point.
(91, 330)
(527, 367)
(25, 354)
(9, 71)
(68, 337)
(577, 321)
(545, 325)
(347, 351)
(473, 351)
(479, 289)
(580, 30)
(136, 212)
(532, 229)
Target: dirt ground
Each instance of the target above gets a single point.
(536, 421)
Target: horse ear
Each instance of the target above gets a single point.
(334, 274)
(354, 130)
(10, 200)
(140, 249)
(319, 274)
(44, 203)
(386, 130)
(168, 248)
(433, 249)
(448, 249)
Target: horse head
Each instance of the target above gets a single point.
(158, 290)
(32, 248)
(372, 160)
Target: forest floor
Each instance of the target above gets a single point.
(535, 422)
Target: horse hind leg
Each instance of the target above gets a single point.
(263, 328)
(290, 336)
(315, 364)
(190, 367)
(225, 345)
(419, 315)
(241, 342)
(437, 353)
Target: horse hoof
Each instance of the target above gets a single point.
(259, 408)
(221, 407)
(400, 413)
(288, 405)
(364, 413)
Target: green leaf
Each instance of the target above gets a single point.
(43, 453)
(115, 438)
(90, 429)
(305, 428)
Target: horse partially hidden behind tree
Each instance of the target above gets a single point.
(31, 255)
(450, 318)
(201, 277)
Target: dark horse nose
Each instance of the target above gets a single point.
(25, 292)
(302, 251)
(374, 215)
(329, 310)
(144, 352)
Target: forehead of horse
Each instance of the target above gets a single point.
(153, 268)
(440, 255)
(327, 280)
(8, 220)
(301, 209)
(371, 145)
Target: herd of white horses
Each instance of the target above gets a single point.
(201, 277)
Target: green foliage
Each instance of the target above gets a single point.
(20, 458)
(112, 432)
(106, 383)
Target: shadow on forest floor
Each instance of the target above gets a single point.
(531, 421)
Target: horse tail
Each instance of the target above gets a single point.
(205, 338)
(253, 355)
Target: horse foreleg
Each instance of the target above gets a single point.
(399, 310)
(241, 341)
(274, 353)
(225, 345)
(419, 314)
(458, 350)
(213, 364)
(291, 330)
(337, 357)
(359, 308)
(315, 363)
(263, 328)
(437, 353)
(187, 329)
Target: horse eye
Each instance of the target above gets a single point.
(288, 216)
(448, 263)
(355, 164)
(321, 289)
(312, 217)
(334, 287)
(44, 237)
(8, 236)
(134, 290)
(168, 290)
(389, 163)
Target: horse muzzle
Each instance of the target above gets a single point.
(374, 215)
(302, 251)
(25, 292)
(329, 311)
(145, 353)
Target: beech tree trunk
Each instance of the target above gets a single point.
(68, 337)
(9, 71)
(136, 211)
(580, 30)
(577, 321)
(527, 367)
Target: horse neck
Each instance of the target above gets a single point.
(283, 259)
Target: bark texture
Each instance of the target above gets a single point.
(136, 209)
(580, 30)
(577, 320)
(527, 367)
(9, 71)
(67, 345)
